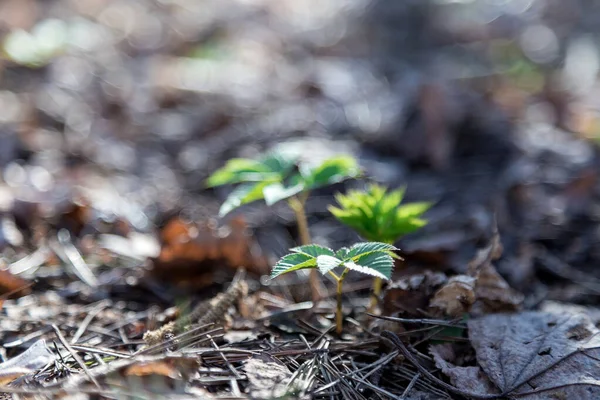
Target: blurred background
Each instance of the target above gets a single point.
(113, 113)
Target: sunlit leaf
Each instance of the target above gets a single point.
(331, 171)
(378, 264)
(243, 194)
(276, 192)
(313, 250)
(326, 263)
(293, 262)
(363, 249)
(239, 170)
(413, 210)
(378, 215)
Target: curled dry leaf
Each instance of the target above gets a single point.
(166, 375)
(12, 285)
(191, 253)
(536, 355)
(471, 379)
(267, 379)
(32, 359)
(456, 297)
(412, 293)
(493, 294)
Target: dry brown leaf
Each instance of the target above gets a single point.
(493, 294)
(32, 359)
(191, 253)
(470, 379)
(456, 297)
(536, 355)
(166, 375)
(12, 285)
(412, 293)
(267, 379)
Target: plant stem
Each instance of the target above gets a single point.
(297, 205)
(339, 315)
(377, 284)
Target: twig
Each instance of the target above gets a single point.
(451, 324)
(86, 322)
(410, 386)
(75, 356)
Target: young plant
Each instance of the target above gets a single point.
(275, 177)
(377, 215)
(371, 258)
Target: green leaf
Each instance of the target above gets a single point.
(378, 215)
(276, 192)
(331, 171)
(326, 263)
(293, 262)
(413, 210)
(362, 249)
(342, 253)
(279, 162)
(313, 250)
(272, 167)
(238, 170)
(243, 194)
(378, 264)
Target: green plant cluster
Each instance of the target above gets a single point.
(376, 214)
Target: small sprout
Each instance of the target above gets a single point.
(377, 215)
(371, 258)
(276, 177)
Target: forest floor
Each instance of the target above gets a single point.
(118, 281)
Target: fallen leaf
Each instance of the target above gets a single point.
(493, 294)
(412, 293)
(456, 297)
(13, 285)
(32, 359)
(536, 355)
(191, 253)
(167, 375)
(267, 379)
(471, 379)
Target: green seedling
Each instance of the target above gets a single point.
(371, 258)
(276, 177)
(377, 215)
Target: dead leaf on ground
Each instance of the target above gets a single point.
(412, 293)
(191, 253)
(32, 359)
(536, 355)
(13, 285)
(493, 294)
(267, 379)
(158, 375)
(456, 297)
(471, 379)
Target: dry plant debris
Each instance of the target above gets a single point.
(535, 355)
